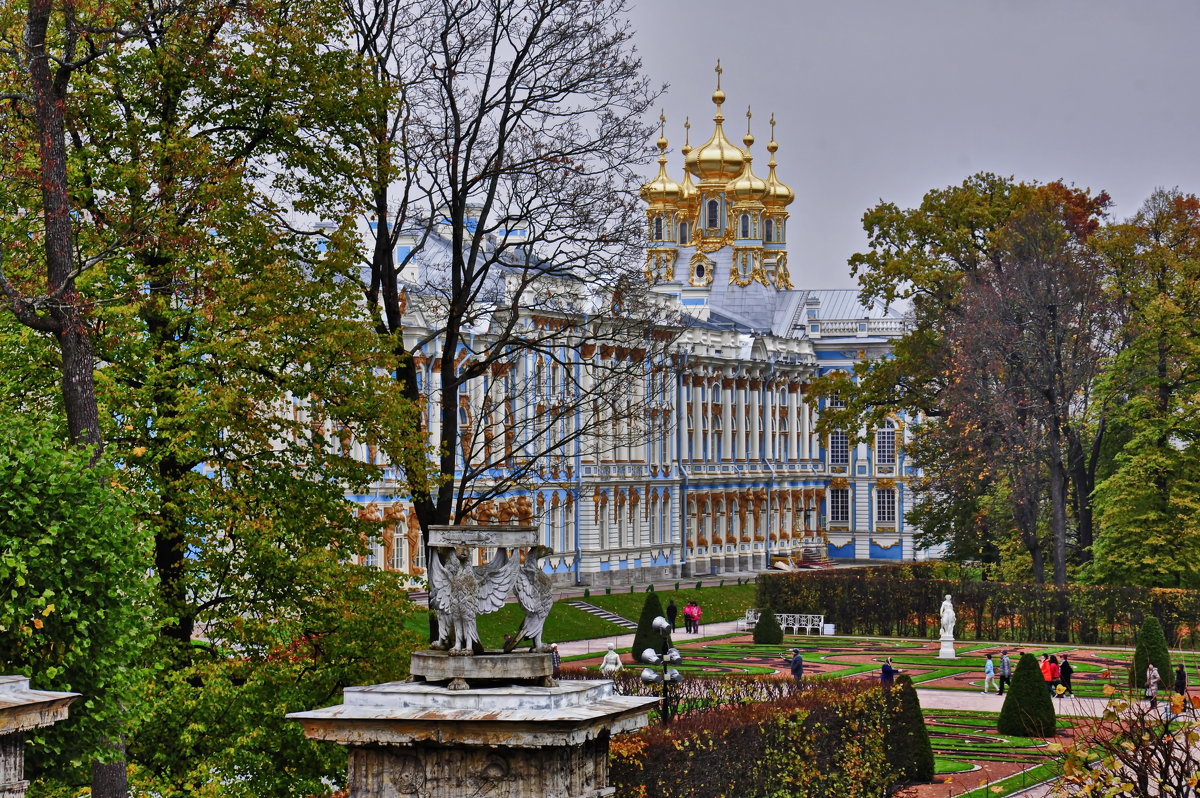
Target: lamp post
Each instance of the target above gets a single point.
(668, 675)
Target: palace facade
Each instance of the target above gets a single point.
(728, 473)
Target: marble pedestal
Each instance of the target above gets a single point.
(22, 709)
(947, 649)
(424, 740)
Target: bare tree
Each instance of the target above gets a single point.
(494, 154)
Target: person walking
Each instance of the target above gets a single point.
(1180, 680)
(688, 615)
(1047, 674)
(1152, 680)
(887, 674)
(1005, 670)
(696, 613)
(796, 664)
(1064, 674)
(672, 611)
(555, 660)
(989, 674)
(1055, 676)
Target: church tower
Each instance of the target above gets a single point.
(719, 241)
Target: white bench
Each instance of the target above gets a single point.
(811, 624)
(748, 621)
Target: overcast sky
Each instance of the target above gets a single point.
(887, 99)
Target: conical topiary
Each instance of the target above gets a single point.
(1028, 710)
(909, 751)
(1151, 647)
(767, 630)
(646, 637)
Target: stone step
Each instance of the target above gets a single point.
(611, 617)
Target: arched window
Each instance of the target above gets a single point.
(745, 225)
(658, 231)
(683, 234)
(713, 208)
(769, 229)
(700, 271)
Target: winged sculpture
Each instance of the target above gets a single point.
(460, 591)
(536, 595)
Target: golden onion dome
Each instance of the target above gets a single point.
(662, 189)
(778, 193)
(718, 158)
(747, 187)
(689, 195)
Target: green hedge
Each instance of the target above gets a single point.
(828, 741)
(901, 601)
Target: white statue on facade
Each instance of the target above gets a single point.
(948, 618)
(612, 662)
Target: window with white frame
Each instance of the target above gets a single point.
(839, 505)
(839, 449)
(885, 505)
(399, 544)
(683, 234)
(885, 443)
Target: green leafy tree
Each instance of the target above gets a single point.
(74, 599)
(767, 630)
(1149, 504)
(1028, 709)
(1151, 647)
(646, 636)
(909, 751)
(1007, 331)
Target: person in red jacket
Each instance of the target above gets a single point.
(1047, 673)
(1055, 676)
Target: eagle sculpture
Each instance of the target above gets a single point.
(535, 594)
(459, 592)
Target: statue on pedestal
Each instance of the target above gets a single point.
(948, 618)
(459, 592)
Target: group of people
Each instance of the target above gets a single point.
(691, 616)
(1154, 681)
(1057, 674)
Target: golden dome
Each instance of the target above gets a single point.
(778, 194)
(689, 195)
(747, 187)
(662, 189)
(717, 159)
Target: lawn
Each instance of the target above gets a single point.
(726, 603)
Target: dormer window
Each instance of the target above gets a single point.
(745, 225)
(683, 234)
(714, 208)
(769, 231)
(658, 229)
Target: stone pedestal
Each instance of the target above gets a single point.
(423, 740)
(22, 709)
(484, 670)
(947, 649)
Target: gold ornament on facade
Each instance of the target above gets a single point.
(778, 194)
(839, 483)
(886, 484)
(698, 260)
(783, 278)
(718, 159)
(662, 190)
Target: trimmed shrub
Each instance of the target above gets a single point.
(909, 751)
(646, 637)
(1028, 710)
(827, 741)
(767, 630)
(1151, 647)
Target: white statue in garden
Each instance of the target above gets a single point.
(948, 618)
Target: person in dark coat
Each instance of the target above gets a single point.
(887, 674)
(555, 660)
(796, 664)
(672, 611)
(1180, 679)
(1064, 675)
(1005, 670)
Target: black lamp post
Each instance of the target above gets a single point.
(668, 676)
